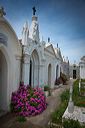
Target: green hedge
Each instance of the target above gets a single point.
(78, 100)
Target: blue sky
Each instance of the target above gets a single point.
(61, 20)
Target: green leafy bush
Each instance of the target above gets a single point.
(71, 124)
(21, 119)
(82, 89)
(46, 88)
(82, 80)
(65, 96)
(76, 88)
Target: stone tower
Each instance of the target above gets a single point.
(34, 28)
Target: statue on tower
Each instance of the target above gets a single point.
(57, 45)
(48, 39)
(34, 10)
(2, 12)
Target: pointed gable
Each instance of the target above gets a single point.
(50, 49)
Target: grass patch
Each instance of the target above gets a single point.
(56, 116)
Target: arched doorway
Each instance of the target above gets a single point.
(34, 69)
(3, 81)
(74, 74)
(49, 74)
(57, 70)
(30, 73)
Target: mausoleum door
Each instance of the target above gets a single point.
(3, 81)
(30, 73)
(74, 74)
(49, 74)
(34, 69)
(57, 70)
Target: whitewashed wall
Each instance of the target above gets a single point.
(12, 53)
(82, 70)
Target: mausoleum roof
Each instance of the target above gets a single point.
(83, 58)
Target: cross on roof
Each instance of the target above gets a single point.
(34, 10)
(2, 12)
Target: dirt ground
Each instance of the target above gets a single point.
(39, 121)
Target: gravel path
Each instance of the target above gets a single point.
(40, 121)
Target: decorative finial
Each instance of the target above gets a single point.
(48, 39)
(34, 10)
(57, 45)
(2, 12)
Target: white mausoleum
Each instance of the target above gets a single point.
(82, 68)
(30, 60)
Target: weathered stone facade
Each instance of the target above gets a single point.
(74, 71)
(30, 60)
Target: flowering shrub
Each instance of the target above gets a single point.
(28, 101)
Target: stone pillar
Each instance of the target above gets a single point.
(36, 76)
(25, 69)
(17, 72)
(71, 104)
(59, 71)
(41, 75)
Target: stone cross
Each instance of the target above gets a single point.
(34, 10)
(2, 12)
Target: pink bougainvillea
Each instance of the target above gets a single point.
(28, 101)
